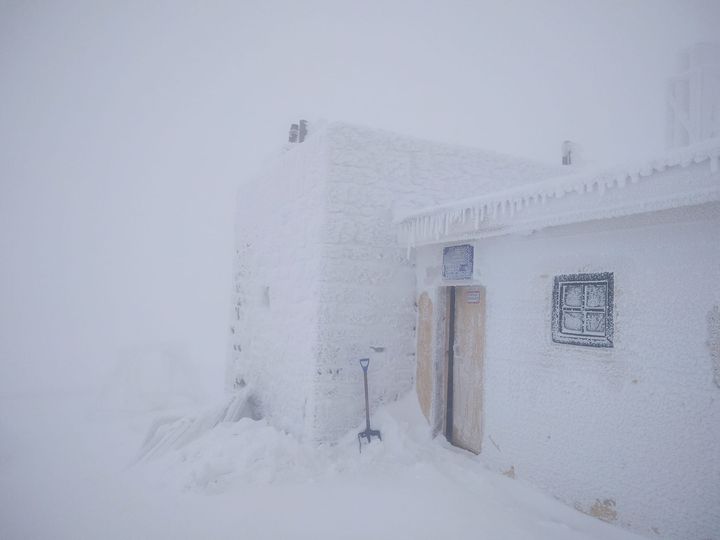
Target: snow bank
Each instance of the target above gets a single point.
(65, 476)
(174, 432)
(260, 482)
(226, 447)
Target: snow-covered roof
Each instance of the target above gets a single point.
(422, 172)
(493, 212)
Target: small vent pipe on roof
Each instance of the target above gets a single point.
(298, 132)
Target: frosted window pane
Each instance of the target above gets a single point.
(572, 321)
(573, 295)
(595, 322)
(596, 295)
(582, 312)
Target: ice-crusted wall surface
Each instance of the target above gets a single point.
(367, 292)
(321, 280)
(274, 312)
(630, 434)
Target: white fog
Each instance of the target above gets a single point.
(141, 141)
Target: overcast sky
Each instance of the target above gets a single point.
(127, 127)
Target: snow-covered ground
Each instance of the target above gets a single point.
(69, 469)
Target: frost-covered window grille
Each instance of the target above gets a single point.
(583, 309)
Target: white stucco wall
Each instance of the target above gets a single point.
(632, 432)
(274, 314)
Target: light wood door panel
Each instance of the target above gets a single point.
(468, 357)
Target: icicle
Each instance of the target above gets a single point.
(476, 211)
(634, 177)
(410, 238)
(714, 158)
(621, 180)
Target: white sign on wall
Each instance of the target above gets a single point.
(458, 262)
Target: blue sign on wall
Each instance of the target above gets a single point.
(458, 262)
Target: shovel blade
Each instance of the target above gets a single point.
(368, 434)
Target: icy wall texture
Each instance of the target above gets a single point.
(274, 314)
(367, 292)
(629, 434)
(321, 279)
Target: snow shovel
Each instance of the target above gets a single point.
(368, 433)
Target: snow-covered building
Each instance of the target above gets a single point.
(567, 326)
(564, 324)
(321, 278)
(569, 331)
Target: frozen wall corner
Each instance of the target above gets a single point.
(713, 342)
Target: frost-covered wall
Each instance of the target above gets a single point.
(274, 316)
(630, 434)
(367, 285)
(321, 280)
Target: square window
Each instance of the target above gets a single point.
(583, 309)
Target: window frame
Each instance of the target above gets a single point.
(583, 337)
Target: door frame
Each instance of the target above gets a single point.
(449, 361)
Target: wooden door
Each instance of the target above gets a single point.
(424, 382)
(465, 369)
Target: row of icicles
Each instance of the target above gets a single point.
(432, 225)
